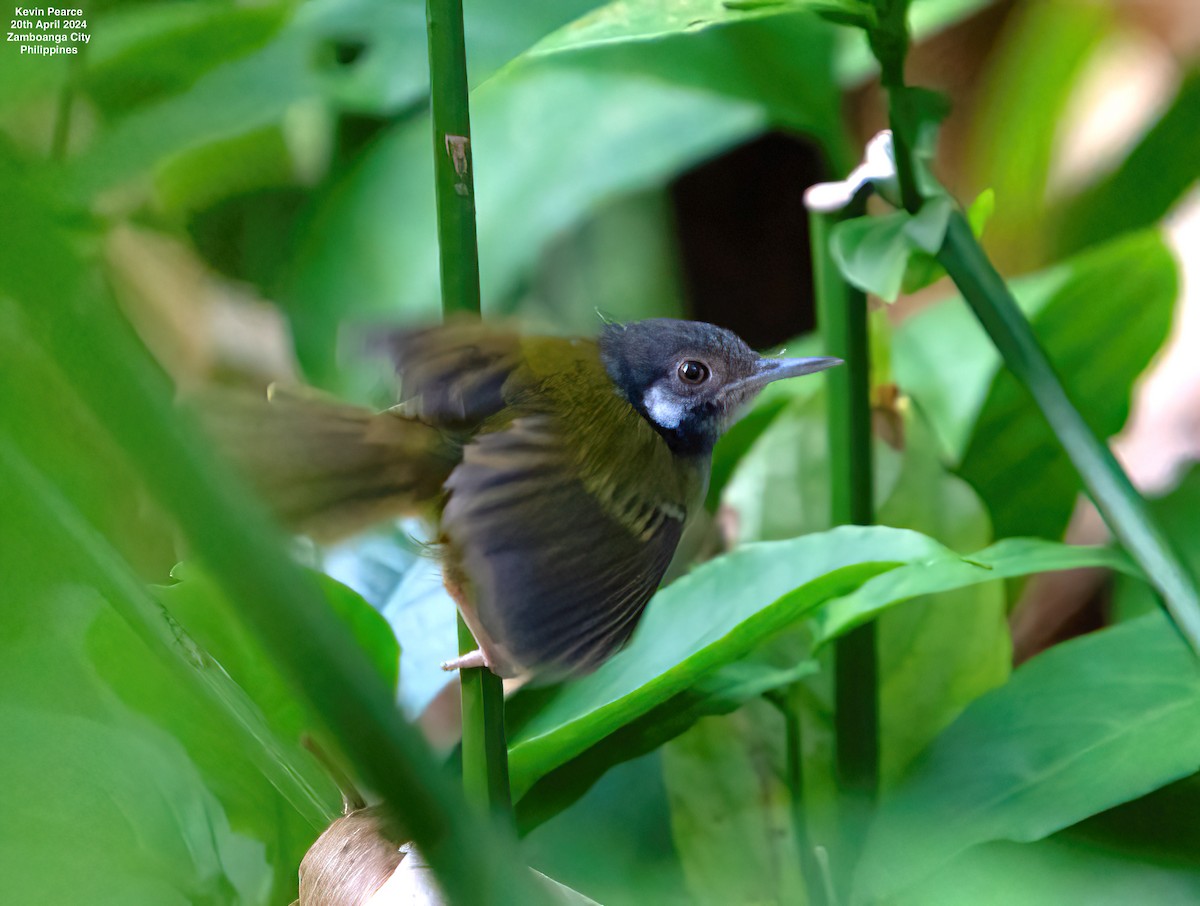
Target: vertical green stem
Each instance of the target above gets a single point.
(842, 316)
(484, 748)
(794, 766)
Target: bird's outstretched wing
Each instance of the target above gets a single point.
(453, 375)
(558, 576)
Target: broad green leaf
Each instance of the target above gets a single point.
(381, 70)
(721, 692)
(748, 596)
(1156, 173)
(780, 488)
(1023, 97)
(1014, 460)
(1006, 559)
(1179, 515)
(1087, 725)
(550, 144)
(944, 360)
(725, 608)
(1052, 872)
(731, 816)
(210, 618)
(939, 652)
(872, 252)
(130, 734)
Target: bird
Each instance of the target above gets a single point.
(558, 472)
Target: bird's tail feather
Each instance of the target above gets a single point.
(328, 468)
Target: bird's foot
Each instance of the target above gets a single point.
(467, 661)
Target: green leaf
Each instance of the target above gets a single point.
(941, 651)
(1177, 512)
(721, 692)
(1052, 872)
(723, 609)
(1013, 459)
(96, 677)
(208, 615)
(881, 254)
(1091, 723)
(872, 252)
(731, 814)
(1021, 104)
(946, 362)
(1157, 172)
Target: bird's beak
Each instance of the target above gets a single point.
(768, 370)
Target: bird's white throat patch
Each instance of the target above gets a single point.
(664, 411)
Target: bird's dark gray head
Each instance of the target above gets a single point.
(688, 379)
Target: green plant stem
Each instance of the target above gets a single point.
(842, 317)
(1114, 495)
(786, 702)
(452, 165)
(484, 748)
(237, 542)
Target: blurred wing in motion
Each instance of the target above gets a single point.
(453, 375)
(558, 578)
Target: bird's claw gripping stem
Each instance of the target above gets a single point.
(467, 661)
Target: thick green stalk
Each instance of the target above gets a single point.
(1114, 495)
(484, 748)
(842, 318)
(243, 550)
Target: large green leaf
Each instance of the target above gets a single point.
(1089, 724)
(97, 678)
(1024, 95)
(731, 815)
(941, 651)
(725, 608)
(1053, 872)
(208, 615)
(550, 143)
(1008, 452)
(362, 56)
(1147, 183)
(1179, 515)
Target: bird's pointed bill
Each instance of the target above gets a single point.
(769, 370)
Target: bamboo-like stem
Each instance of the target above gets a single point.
(115, 378)
(1114, 494)
(810, 869)
(842, 318)
(484, 747)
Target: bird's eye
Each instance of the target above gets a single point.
(693, 372)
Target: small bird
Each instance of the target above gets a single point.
(559, 472)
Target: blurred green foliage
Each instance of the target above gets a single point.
(283, 149)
